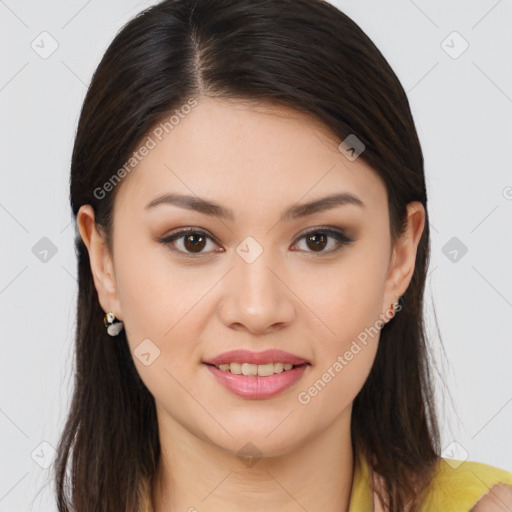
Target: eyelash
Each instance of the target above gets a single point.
(337, 234)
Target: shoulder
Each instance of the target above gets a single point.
(498, 499)
(461, 485)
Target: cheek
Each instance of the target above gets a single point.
(152, 292)
(349, 299)
(349, 306)
(332, 388)
(163, 308)
(345, 355)
(145, 291)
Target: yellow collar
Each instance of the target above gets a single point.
(361, 495)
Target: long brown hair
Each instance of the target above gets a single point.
(303, 54)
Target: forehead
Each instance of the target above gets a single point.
(246, 155)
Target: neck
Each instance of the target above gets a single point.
(195, 474)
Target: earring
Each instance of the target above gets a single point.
(114, 326)
(395, 304)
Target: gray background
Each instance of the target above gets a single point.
(462, 105)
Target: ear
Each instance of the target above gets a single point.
(102, 267)
(403, 258)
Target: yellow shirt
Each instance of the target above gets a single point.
(457, 486)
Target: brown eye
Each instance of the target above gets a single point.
(190, 242)
(317, 241)
(194, 242)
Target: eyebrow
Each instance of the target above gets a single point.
(215, 210)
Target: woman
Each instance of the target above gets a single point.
(253, 243)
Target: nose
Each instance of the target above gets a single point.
(257, 296)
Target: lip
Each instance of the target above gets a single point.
(264, 357)
(256, 387)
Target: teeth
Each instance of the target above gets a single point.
(262, 370)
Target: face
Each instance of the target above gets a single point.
(317, 285)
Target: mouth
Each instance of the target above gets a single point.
(256, 382)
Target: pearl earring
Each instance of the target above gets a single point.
(114, 326)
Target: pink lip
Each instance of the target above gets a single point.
(256, 387)
(265, 357)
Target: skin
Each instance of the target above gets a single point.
(257, 161)
(498, 499)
